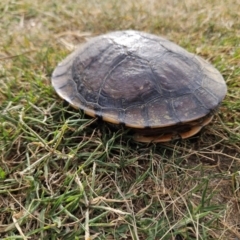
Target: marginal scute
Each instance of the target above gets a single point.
(160, 112)
(188, 107)
(217, 88)
(207, 99)
(110, 115)
(134, 117)
(140, 80)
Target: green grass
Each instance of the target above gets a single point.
(66, 176)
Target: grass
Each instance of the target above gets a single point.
(66, 176)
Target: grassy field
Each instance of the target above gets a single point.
(66, 176)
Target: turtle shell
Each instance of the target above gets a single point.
(140, 80)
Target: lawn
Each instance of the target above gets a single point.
(64, 175)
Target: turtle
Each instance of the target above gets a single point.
(141, 81)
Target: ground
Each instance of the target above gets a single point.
(64, 175)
